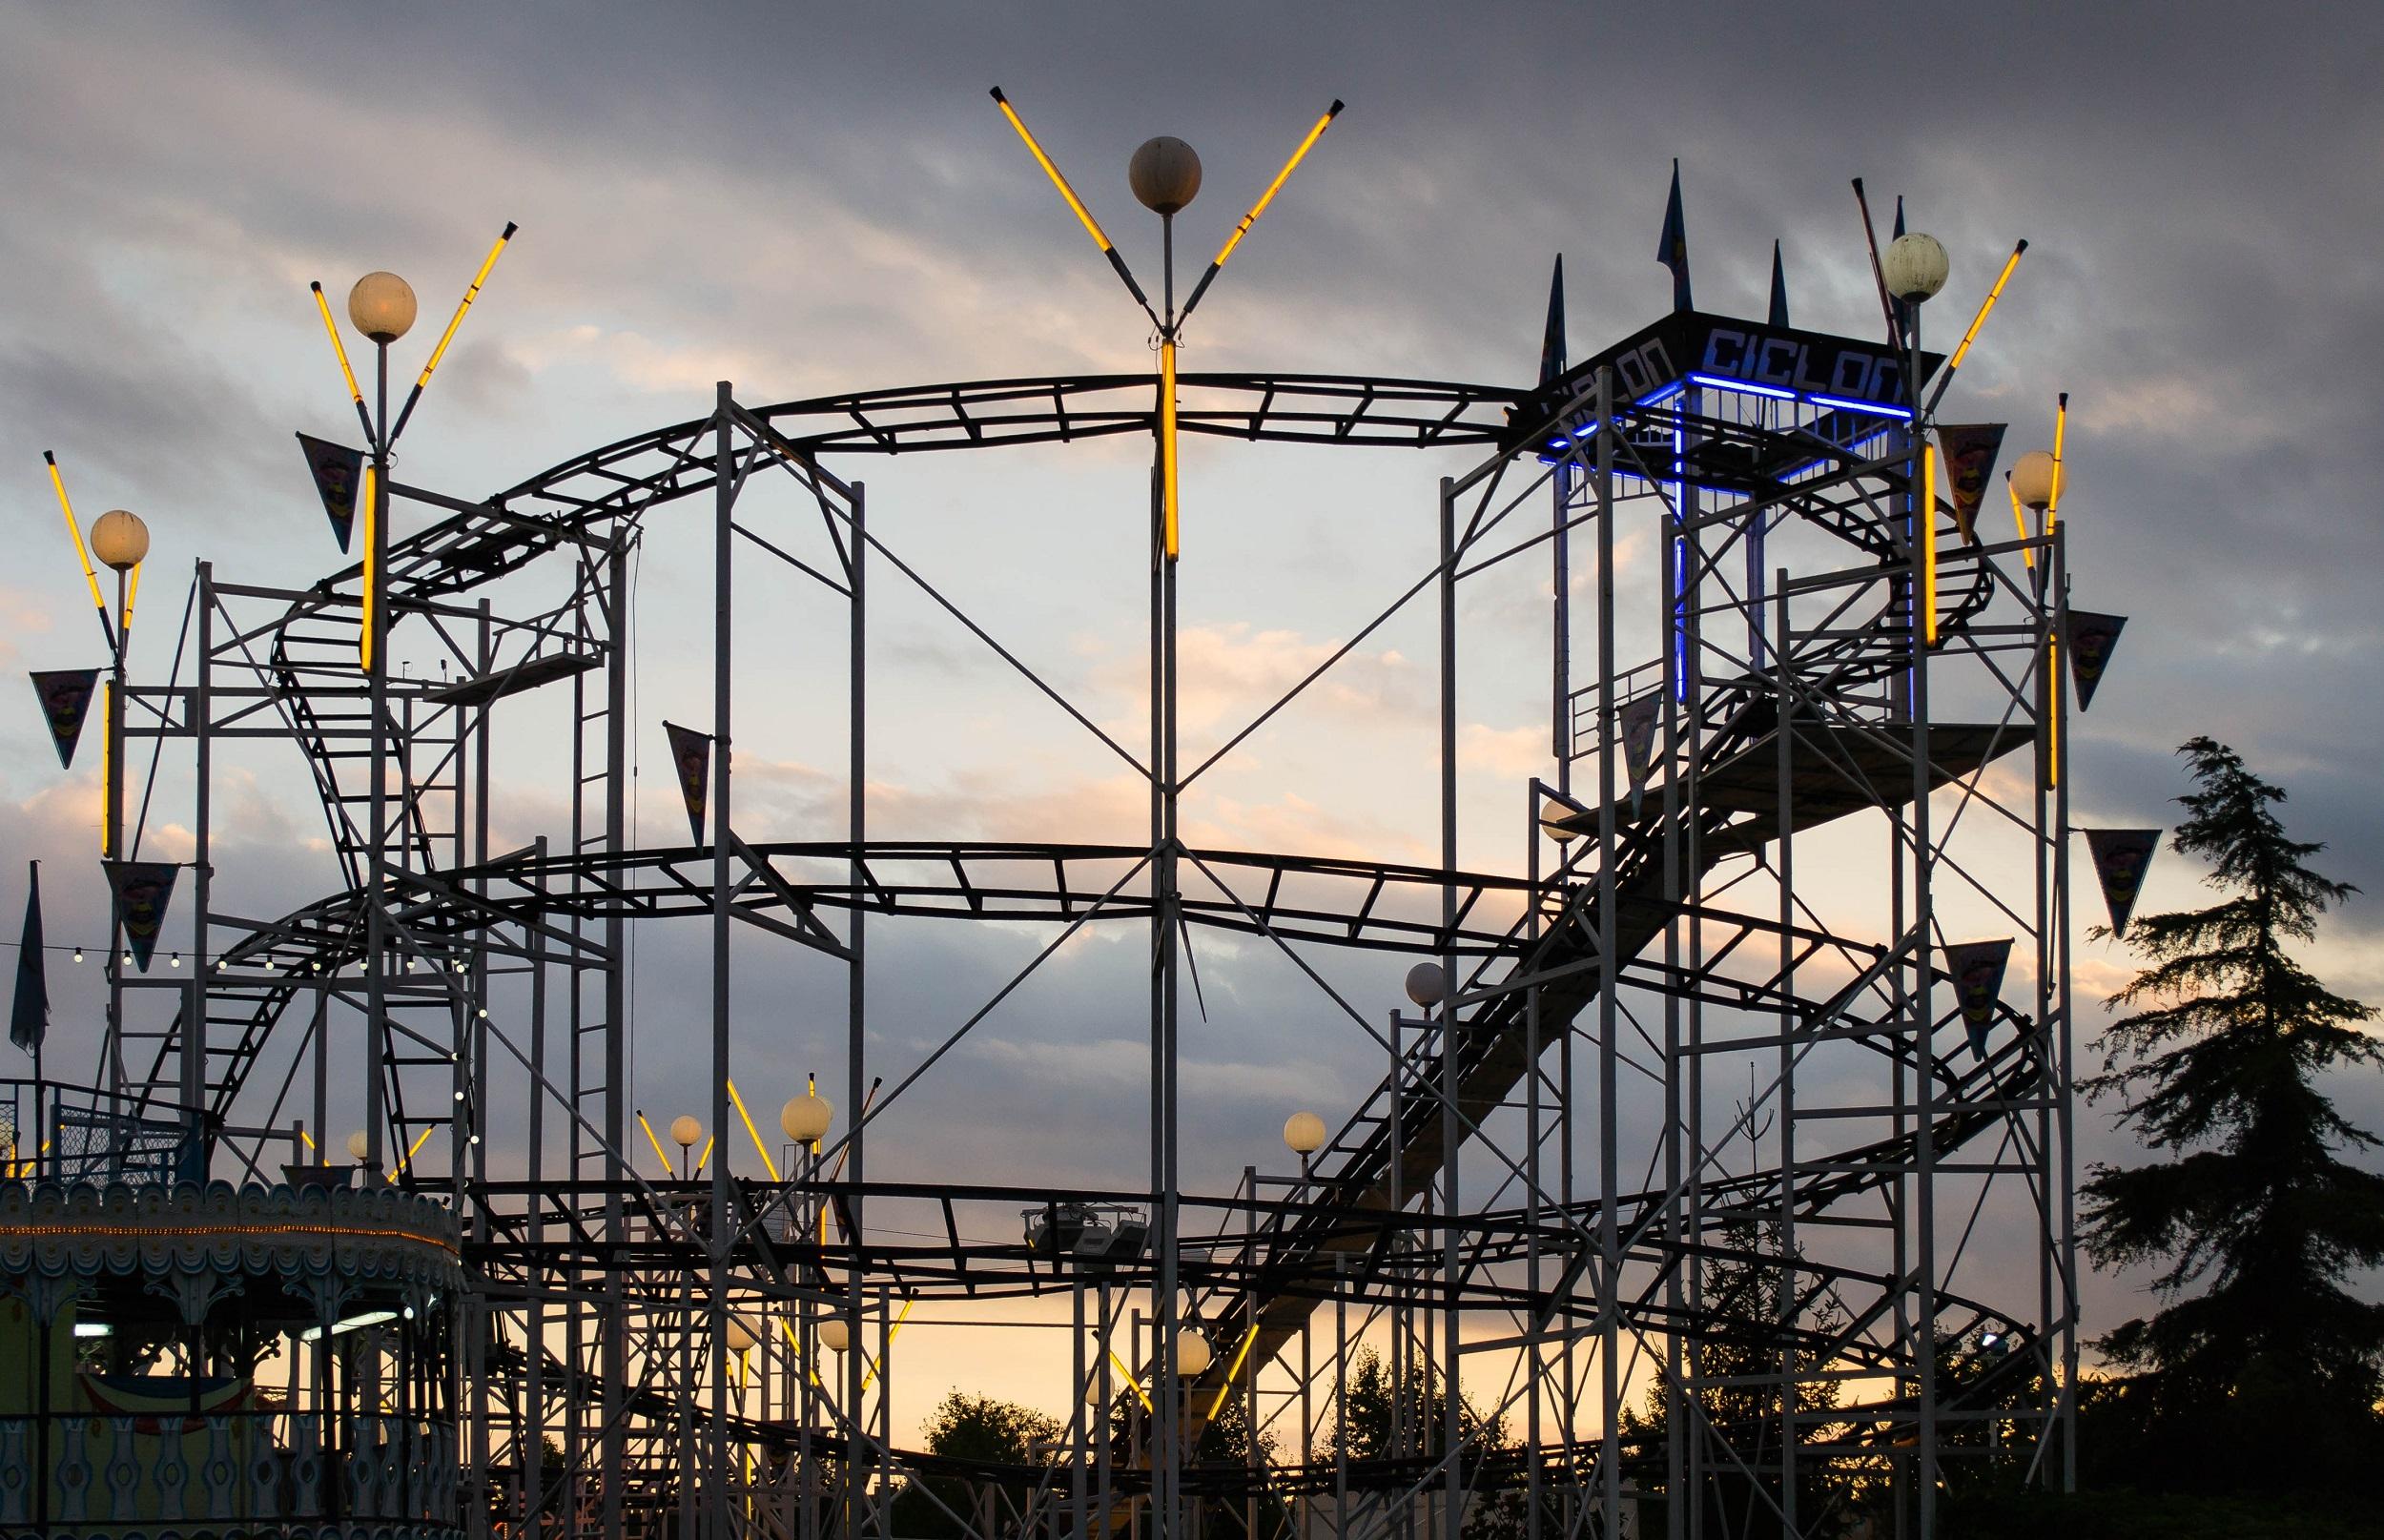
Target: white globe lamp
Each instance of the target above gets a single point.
(805, 1120)
(1914, 266)
(381, 306)
(1426, 985)
(2036, 480)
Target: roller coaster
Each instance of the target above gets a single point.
(1632, 1073)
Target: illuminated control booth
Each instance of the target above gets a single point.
(1734, 407)
(208, 1360)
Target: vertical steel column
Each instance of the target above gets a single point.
(857, 1046)
(1672, 683)
(1608, 979)
(1451, 1130)
(1923, 962)
(1166, 1453)
(613, 1353)
(531, 1443)
(1784, 742)
(375, 915)
(111, 848)
(715, 1472)
(1534, 1341)
(202, 875)
(2061, 1077)
(473, 1393)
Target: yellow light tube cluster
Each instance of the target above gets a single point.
(1928, 541)
(469, 295)
(1169, 533)
(1091, 227)
(1276, 186)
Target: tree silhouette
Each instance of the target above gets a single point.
(2268, 1374)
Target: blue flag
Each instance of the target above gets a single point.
(1672, 247)
(1552, 340)
(1780, 290)
(29, 1022)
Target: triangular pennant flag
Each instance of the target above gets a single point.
(1672, 247)
(143, 890)
(1553, 340)
(339, 474)
(65, 702)
(28, 1020)
(2120, 857)
(1976, 971)
(691, 751)
(1780, 290)
(1637, 721)
(2093, 635)
(1970, 449)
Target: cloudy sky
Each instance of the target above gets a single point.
(811, 199)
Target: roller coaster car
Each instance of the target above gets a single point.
(1085, 1234)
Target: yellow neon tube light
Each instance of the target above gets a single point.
(1260, 207)
(372, 573)
(1091, 227)
(1235, 1367)
(2020, 522)
(1276, 186)
(90, 575)
(2061, 428)
(892, 1332)
(1127, 1375)
(655, 1143)
(2052, 714)
(707, 1155)
(331, 328)
(751, 1133)
(469, 295)
(407, 1159)
(1992, 295)
(1167, 448)
(1928, 541)
(308, 1138)
(107, 770)
(132, 596)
